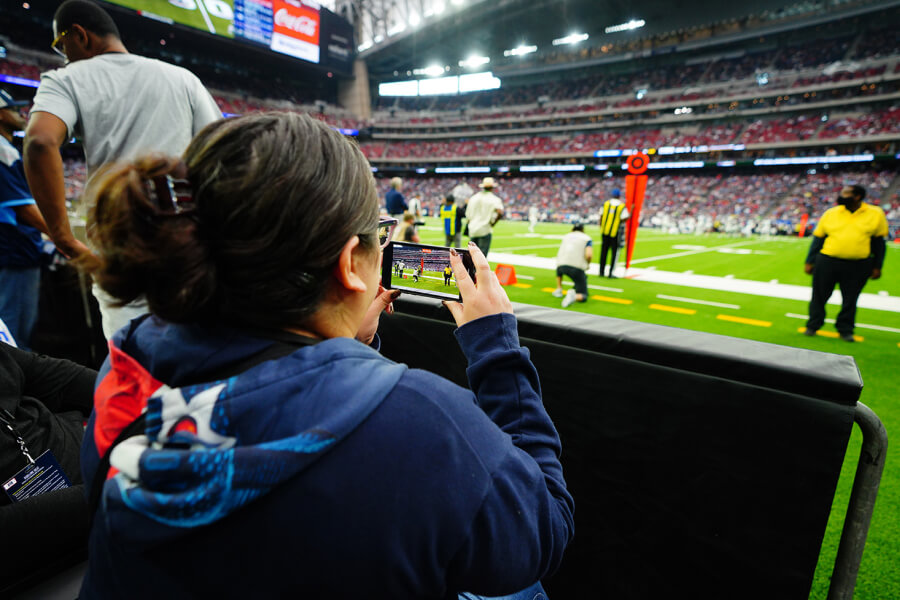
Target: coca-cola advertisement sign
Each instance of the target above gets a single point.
(296, 20)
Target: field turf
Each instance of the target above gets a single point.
(428, 281)
(752, 317)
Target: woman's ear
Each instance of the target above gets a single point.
(348, 271)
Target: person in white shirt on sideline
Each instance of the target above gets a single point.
(573, 260)
(120, 104)
(483, 210)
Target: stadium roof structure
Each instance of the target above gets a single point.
(395, 44)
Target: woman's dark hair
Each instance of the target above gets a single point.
(276, 197)
(87, 14)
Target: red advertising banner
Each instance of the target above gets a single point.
(295, 29)
(296, 20)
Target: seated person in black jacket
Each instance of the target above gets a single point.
(50, 399)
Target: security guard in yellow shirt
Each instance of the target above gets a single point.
(448, 273)
(848, 248)
(451, 217)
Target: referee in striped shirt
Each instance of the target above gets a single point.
(848, 249)
(612, 218)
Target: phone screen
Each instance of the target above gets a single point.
(423, 270)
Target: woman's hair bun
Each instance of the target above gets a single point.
(146, 247)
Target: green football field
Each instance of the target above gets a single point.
(214, 16)
(432, 281)
(688, 281)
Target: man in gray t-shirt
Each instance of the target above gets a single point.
(121, 105)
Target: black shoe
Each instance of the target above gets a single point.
(611, 276)
(810, 332)
(847, 337)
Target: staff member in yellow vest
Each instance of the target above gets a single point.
(448, 274)
(847, 249)
(451, 216)
(612, 224)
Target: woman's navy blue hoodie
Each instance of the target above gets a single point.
(329, 473)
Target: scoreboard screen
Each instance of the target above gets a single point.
(298, 28)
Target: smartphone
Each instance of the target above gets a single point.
(422, 270)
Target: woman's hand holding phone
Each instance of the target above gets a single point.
(487, 297)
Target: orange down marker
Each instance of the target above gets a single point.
(635, 185)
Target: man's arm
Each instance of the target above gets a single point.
(205, 108)
(59, 384)
(30, 215)
(44, 171)
(879, 249)
(814, 249)
(589, 252)
(498, 212)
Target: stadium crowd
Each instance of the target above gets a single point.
(762, 130)
(684, 202)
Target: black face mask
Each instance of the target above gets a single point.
(844, 201)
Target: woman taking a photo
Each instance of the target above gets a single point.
(257, 445)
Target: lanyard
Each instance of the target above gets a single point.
(9, 421)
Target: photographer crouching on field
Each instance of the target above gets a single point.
(267, 451)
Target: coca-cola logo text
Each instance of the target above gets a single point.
(300, 24)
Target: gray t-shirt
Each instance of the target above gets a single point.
(124, 106)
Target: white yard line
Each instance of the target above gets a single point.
(863, 325)
(695, 301)
(206, 18)
(692, 252)
(596, 287)
(517, 248)
(741, 286)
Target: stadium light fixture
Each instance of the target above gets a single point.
(570, 39)
(458, 2)
(378, 39)
(520, 50)
(632, 24)
(398, 28)
(439, 8)
(414, 20)
(474, 61)
(431, 71)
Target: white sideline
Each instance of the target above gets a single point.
(863, 325)
(741, 286)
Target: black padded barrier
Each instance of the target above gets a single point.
(702, 466)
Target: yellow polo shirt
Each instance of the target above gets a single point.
(848, 234)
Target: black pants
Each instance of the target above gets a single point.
(609, 242)
(483, 243)
(851, 276)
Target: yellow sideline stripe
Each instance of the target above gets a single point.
(612, 300)
(834, 334)
(674, 309)
(548, 289)
(734, 319)
(522, 285)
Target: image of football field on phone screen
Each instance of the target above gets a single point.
(422, 270)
